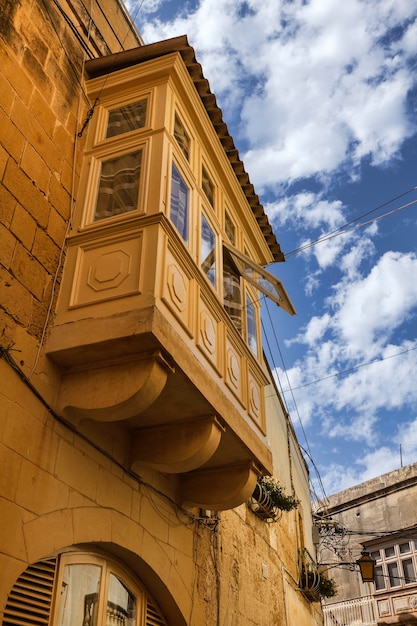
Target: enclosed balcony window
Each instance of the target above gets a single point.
(207, 185)
(127, 118)
(230, 228)
(252, 335)
(179, 203)
(118, 187)
(182, 137)
(208, 250)
(232, 296)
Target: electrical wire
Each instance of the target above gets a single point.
(351, 369)
(68, 57)
(310, 456)
(342, 230)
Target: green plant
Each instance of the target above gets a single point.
(327, 587)
(277, 495)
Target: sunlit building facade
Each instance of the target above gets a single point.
(137, 410)
(378, 516)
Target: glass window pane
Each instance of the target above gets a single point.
(376, 555)
(118, 188)
(182, 137)
(230, 228)
(208, 251)
(121, 604)
(232, 300)
(394, 576)
(207, 186)
(126, 118)
(389, 551)
(179, 204)
(251, 326)
(78, 603)
(408, 569)
(404, 547)
(379, 578)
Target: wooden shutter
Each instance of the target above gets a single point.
(30, 600)
(153, 615)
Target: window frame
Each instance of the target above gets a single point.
(125, 104)
(99, 139)
(178, 117)
(251, 301)
(384, 564)
(187, 182)
(210, 198)
(206, 216)
(280, 297)
(108, 567)
(228, 217)
(106, 153)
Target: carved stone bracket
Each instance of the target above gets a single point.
(219, 488)
(114, 391)
(178, 447)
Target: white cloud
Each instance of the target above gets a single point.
(316, 328)
(327, 89)
(309, 209)
(376, 462)
(369, 310)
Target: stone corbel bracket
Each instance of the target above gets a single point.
(218, 488)
(178, 447)
(113, 391)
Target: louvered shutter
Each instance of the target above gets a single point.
(30, 600)
(153, 615)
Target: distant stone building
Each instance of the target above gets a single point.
(137, 412)
(379, 516)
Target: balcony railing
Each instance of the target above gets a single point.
(356, 612)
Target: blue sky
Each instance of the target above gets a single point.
(320, 97)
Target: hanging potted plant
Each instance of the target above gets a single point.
(327, 587)
(269, 497)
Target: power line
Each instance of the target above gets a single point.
(351, 369)
(342, 230)
(308, 451)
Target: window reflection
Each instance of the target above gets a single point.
(251, 326)
(126, 118)
(182, 137)
(79, 595)
(179, 204)
(121, 604)
(118, 187)
(207, 186)
(232, 301)
(208, 251)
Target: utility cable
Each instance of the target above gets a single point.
(92, 108)
(351, 369)
(295, 404)
(69, 59)
(342, 230)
